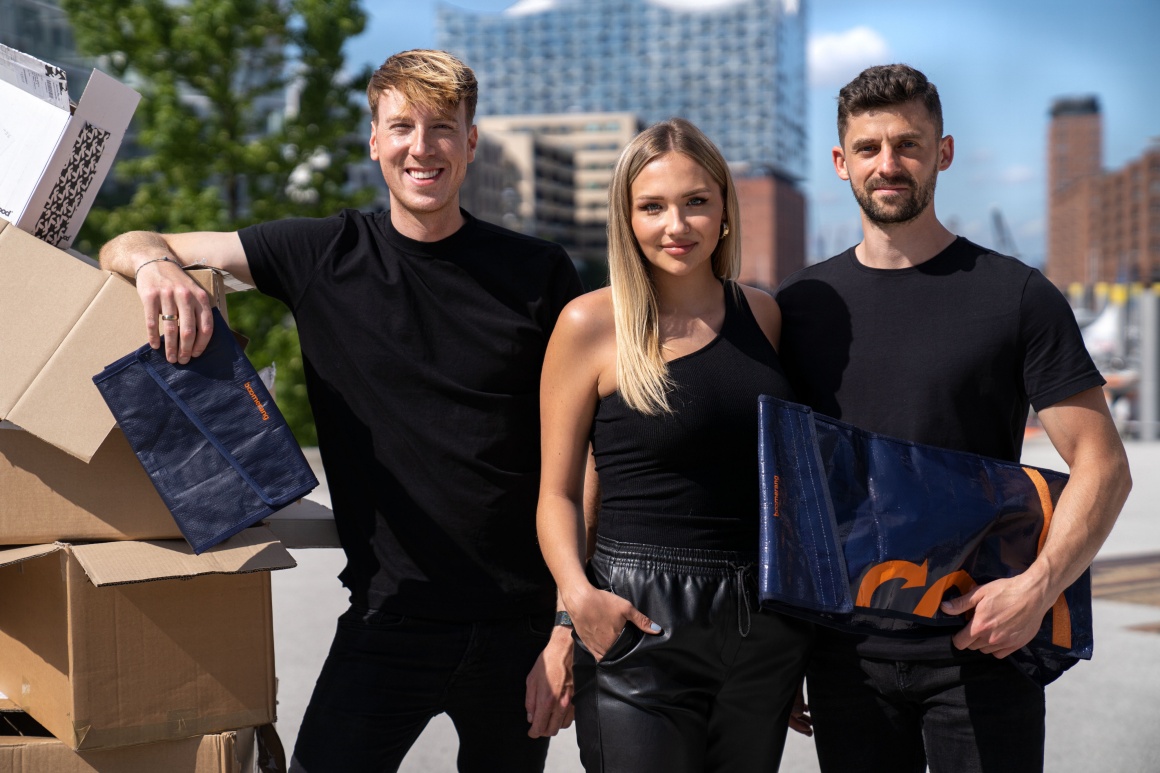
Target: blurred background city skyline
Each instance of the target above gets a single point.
(1052, 106)
(998, 65)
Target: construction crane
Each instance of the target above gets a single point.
(1003, 239)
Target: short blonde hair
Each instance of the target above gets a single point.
(428, 78)
(641, 373)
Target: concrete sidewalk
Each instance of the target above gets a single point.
(1101, 715)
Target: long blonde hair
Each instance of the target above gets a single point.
(641, 373)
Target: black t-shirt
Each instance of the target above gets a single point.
(422, 364)
(949, 353)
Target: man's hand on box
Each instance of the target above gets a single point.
(176, 307)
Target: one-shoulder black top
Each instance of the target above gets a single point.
(689, 479)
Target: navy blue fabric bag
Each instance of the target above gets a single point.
(210, 436)
(869, 534)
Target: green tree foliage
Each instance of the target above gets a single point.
(215, 150)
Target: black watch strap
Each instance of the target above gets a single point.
(563, 618)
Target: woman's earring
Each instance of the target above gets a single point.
(724, 230)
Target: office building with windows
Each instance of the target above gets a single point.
(1103, 226)
(736, 68)
(592, 141)
(41, 28)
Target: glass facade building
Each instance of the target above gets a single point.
(41, 28)
(736, 68)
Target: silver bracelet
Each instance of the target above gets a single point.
(165, 258)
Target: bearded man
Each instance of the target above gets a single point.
(919, 334)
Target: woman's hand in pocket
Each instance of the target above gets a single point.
(600, 617)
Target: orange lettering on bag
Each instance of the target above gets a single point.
(257, 402)
(915, 576)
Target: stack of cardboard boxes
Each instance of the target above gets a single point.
(25, 748)
(136, 654)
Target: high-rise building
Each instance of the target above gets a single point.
(1074, 162)
(1102, 226)
(1126, 223)
(736, 68)
(593, 140)
(771, 249)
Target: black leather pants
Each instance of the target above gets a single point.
(712, 692)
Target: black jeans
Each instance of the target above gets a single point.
(969, 714)
(712, 692)
(386, 676)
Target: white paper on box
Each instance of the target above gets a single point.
(27, 143)
(40, 79)
(52, 163)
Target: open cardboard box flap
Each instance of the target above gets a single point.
(122, 563)
(61, 322)
(19, 555)
(119, 563)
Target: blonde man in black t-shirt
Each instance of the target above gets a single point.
(922, 335)
(423, 333)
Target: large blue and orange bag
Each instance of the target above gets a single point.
(869, 534)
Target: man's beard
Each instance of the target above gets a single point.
(909, 208)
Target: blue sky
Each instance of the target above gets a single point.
(997, 63)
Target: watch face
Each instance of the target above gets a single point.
(563, 618)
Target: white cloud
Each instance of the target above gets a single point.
(695, 5)
(836, 57)
(526, 7)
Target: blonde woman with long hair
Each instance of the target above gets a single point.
(675, 667)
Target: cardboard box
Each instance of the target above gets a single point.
(48, 496)
(26, 747)
(120, 643)
(61, 322)
(304, 524)
(229, 752)
(53, 159)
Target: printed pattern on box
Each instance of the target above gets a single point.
(69, 191)
(55, 74)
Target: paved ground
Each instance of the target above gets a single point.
(1102, 715)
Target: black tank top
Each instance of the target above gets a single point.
(689, 478)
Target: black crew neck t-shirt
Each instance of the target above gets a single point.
(949, 353)
(422, 364)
